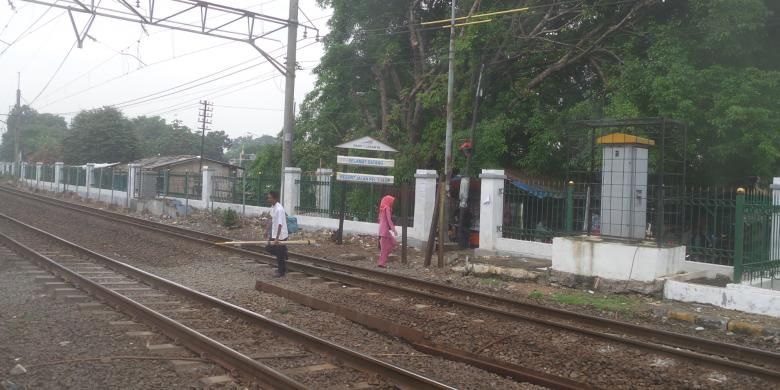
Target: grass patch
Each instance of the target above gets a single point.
(616, 303)
(536, 295)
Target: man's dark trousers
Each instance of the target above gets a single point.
(280, 251)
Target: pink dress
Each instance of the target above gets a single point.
(386, 239)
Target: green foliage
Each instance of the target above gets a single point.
(100, 135)
(711, 64)
(229, 218)
(40, 136)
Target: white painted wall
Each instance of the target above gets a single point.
(536, 250)
(591, 256)
(734, 296)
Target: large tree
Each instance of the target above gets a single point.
(101, 135)
(40, 136)
(711, 64)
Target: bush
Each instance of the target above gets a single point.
(229, 218)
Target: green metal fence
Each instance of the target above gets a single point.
(536, 211)
(323, 199)
(710, 225)
(250, 191)
(183, 186)
(756, 257)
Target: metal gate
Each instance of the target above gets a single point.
(757, 245)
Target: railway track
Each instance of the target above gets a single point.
(716, 354)
(189, 317)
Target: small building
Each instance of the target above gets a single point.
(182, 164)
(179, 175)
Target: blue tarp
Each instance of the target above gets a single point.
(537, 191)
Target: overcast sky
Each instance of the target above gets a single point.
(124, 63)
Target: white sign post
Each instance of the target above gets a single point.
(365, 143)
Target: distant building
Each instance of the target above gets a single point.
(182, 164)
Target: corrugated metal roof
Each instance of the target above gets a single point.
(159, 162)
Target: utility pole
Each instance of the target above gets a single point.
(204, 118)
(463, 228)
(448, 137)
(17, 124)
(289, 86)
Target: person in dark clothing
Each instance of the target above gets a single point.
(277, 233)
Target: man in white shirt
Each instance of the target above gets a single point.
(277, 233)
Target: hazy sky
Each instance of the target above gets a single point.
(123, 66)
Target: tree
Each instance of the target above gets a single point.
(101, 135)
(215, 144)
(40, 136)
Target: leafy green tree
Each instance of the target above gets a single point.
(40, 136)
(101, 135)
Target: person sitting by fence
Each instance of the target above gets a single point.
(387, 231)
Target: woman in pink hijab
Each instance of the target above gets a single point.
(386, 230)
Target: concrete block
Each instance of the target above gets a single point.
(310, 369)
(66, 291)
(216, 380)
(124, 323)
(314, 279)
(77, 298)
(45, 279)
(188, 365)
(91, 306)
(165, 349)
(141, 333)
(420, 307)
(333, 284)
(296, 275)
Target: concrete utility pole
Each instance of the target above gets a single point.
(17, 124)
(204, 118)
(448, 137)
(289, 87)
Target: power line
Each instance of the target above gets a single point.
(55, 73)
(123, 75)
(25, 33)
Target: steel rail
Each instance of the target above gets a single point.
(699, 349)
(394, 374)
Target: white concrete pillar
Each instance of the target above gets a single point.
(58, 175)
(132, 178)
(491, 208)
(89, 178)
(324, 176)
(424, 201)
(38, 177)
(291, 191)
(23, 172)
(206, 185)
(775, 251)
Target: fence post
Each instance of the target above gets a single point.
(739, 235)
(132, 177)
(491, 213)
(38, 169)
(424, 202)
(570, 207)
(100, 183)
(292, 189)
(243, 194)
(205, 185)
(88, 179)
(775, 248)
(322, 200)
(186, 193)
(23, 172)
(113, 184)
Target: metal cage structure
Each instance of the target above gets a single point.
(629, 178)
